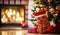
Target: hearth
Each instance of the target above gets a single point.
(12, 15)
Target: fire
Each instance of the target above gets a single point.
(11, 15)
(17, 15)
(14, 13)
(4, 19)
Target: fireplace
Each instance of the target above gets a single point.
(12, 15)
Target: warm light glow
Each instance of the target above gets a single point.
(6, 11)
(4, 33)
(10, 11)
(12, 15)
(41, 5)
(14, 12)
(19, 33)
(17, 15)
(19, 19)
(2, 13)
(4, 19)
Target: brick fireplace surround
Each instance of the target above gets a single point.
(17, 2)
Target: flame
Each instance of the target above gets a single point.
(4, 19)
(17, 15)
(10, 11)
(6, 11)
(14, 12)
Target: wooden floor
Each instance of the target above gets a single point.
(17, 31)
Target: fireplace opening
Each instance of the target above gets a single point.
(12, 14)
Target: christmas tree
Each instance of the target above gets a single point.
(47, 15)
